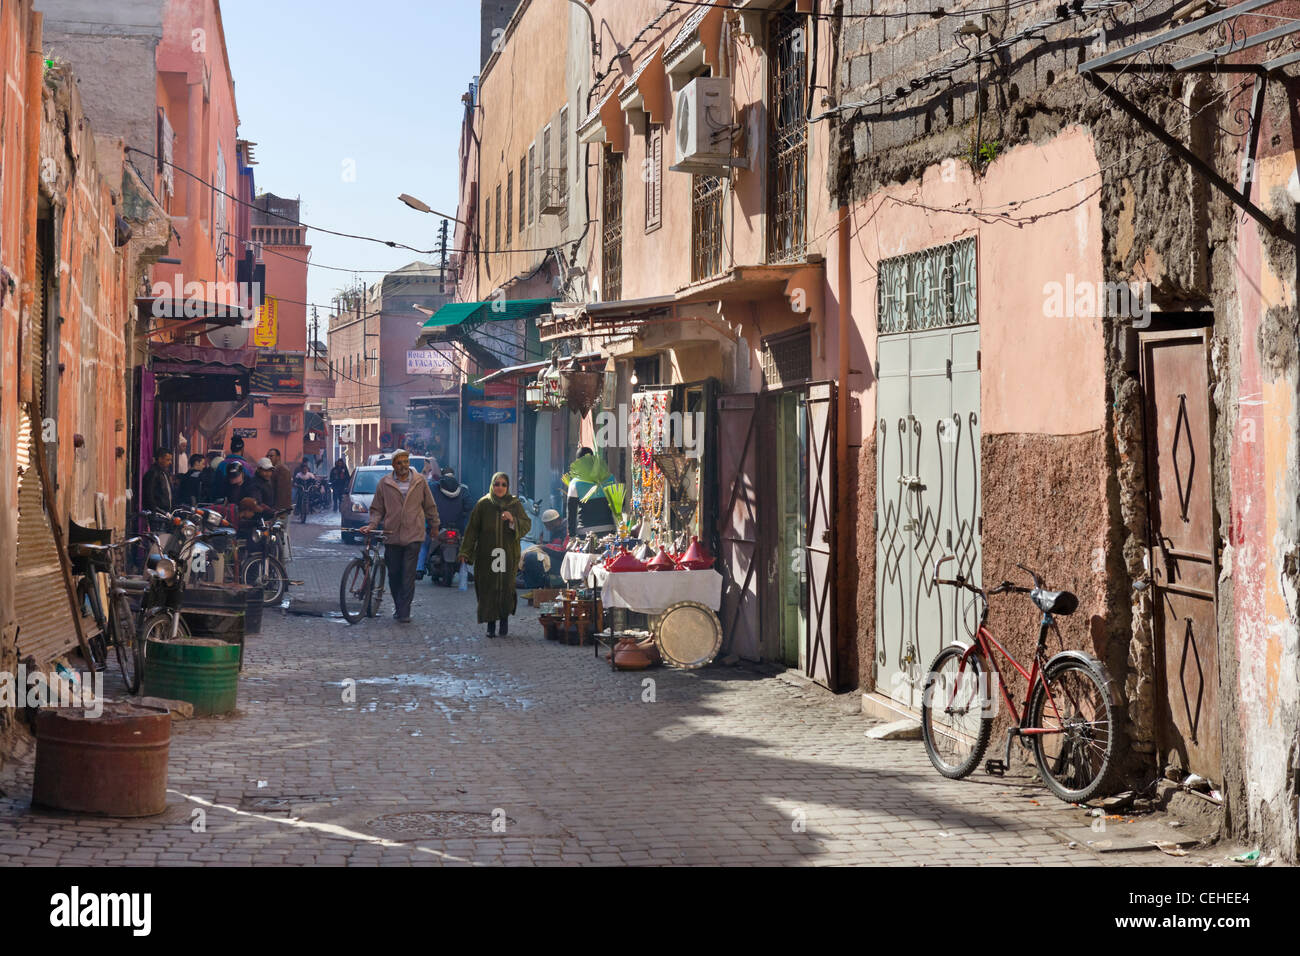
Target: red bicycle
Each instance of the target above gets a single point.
(1069, 716)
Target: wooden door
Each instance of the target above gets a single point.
(738, 522)
(1183, 566)
(821, 527)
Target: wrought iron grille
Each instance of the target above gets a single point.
(564, 158)
(523, 193)
(787, 196)
(706, 227)
(532, 181)
(929, 289)
(510, 198)
(787, 360)
(611, 218)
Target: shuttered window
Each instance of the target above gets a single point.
(654, 177)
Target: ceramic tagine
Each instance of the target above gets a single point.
(696, 558)
(662, 561)
(624, 562)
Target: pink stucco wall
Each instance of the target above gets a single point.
(1040, 374)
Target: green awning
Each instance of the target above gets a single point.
(453, 313)
(490, 310)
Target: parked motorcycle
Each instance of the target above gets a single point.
(444, 557)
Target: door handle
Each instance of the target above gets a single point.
(826, 536)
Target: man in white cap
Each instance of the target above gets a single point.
(403, 505)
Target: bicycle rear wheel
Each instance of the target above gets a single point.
(127, 647)
(354, 591)
(956, 712)
(1076, 758)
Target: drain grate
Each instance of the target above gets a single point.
(435, 823)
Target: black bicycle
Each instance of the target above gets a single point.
(362, 587)
(116, 624)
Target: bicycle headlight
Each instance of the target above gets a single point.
(162, 567)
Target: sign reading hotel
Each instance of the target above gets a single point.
(428, 362)
(268, 324)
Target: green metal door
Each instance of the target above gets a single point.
(927, 453)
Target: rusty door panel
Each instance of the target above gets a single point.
(1182, 549)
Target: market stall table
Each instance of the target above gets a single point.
(577, 564)
(652, 592)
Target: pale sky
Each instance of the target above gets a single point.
(325, 87)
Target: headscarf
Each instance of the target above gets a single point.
(506, 500)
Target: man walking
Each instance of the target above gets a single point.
(339, 478)
(281, 481)
(404, 506)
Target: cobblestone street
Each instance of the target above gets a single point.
(723, 766)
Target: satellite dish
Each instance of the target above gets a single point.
(228, 336)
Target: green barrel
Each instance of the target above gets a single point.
(204, 672)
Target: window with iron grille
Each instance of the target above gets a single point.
(564, 157)
(929, 289)
(654, 176)
(510, 198)
(611, 218)
(532, 181)
(547, 172)
(706, 227)
(787, 195)
(487, 221)
(496, 223)
(523, 194)
(787, 359)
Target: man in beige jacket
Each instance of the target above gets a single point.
(403, 505)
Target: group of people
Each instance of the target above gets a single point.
(413, 508)
(256, 487)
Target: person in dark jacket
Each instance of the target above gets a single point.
(211, 481)
(454, 506)
(156, 489)
(281, 481)
(263, 483)
(339, 479)
(191, 485)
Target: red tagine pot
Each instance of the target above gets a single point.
(696, 557)
(662, 561)
(624, 562)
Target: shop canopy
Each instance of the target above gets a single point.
(490, 310)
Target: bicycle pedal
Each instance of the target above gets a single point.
(996, 768)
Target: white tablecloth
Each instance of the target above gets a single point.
(576, 564)
(650, 592)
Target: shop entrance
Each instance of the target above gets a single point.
(789, 564)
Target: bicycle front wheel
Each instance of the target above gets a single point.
(269, 573)
(354, 591)
(956, 712)
(1073, 706)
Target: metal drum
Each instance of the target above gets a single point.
(203, 671)
(113, 764)
(689, 635)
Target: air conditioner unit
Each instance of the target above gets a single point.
(704, 125)
(347, 434)
(283, 424)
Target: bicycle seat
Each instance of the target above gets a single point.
(1054, 602)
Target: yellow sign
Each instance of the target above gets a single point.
(268, 322)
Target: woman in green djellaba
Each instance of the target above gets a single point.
(491, 544)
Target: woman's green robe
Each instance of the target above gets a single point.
(489, 542)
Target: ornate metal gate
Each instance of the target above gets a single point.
(1183, 563)
(928, 459)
